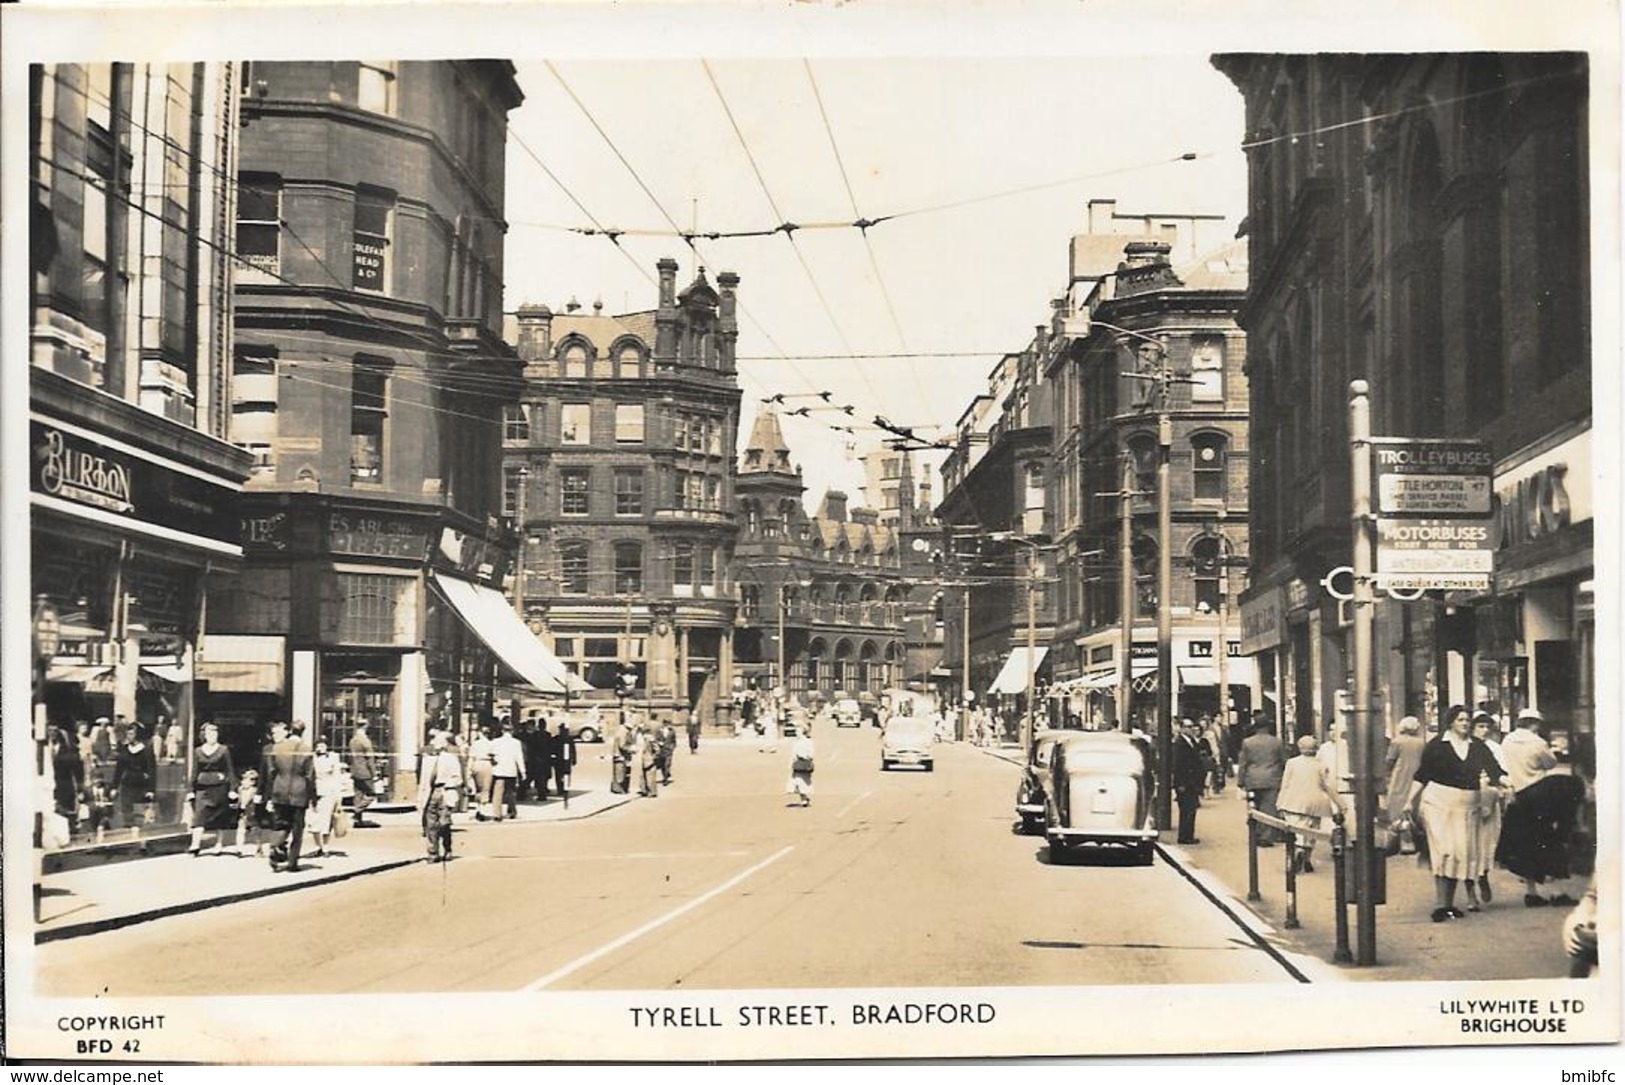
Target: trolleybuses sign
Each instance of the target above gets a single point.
(1433, 509)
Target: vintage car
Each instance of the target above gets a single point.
(1034, 784)
(848, 713)
(906, 740)
(1099, 788)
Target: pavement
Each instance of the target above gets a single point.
(103, 896)
(1505, 940)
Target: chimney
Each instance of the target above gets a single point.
(1101, 213)
(572, 305)
(1146, 254)
(668, 282)
(535, 333)
(727, 322)
(835, 506)
(665, 354)
(1040, 340)
(925, 497)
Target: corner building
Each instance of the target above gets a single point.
(368, 380)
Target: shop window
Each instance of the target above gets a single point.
(628, 493)
(369, 408)
(374, 220)
(1208, 456)
(575, 424)
(629, 423)
(1207, 371)
(259, 225)
(575, 570)
(628, 568)
(574, 491)
(516, 424)
(375, 86)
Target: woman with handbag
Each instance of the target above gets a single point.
(1445, 797)
(801, 767)
(213, 798)
(329, 782)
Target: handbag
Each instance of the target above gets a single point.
(802, 764)
(341, 823)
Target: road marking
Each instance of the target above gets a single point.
(600, 856)
(654, 924)
(854, 802)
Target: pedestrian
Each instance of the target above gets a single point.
(1403, 758)
(480, 769)
(1487, 826)
(319, 822)
(539, 759)
(1307, 798)
(213, 797)
(1216, 755)
(622, 739)
(135, 775)
(802, 756)
(1258, 772)
(248, 813)
(1540, 821)
(440, 781)
(1339, 765)
(289, 776)
(646, 756)
(1445, 797)
(507, 769)
(667, 748)
(67, 777)
(361, 772)
(564, 761)
(1190, 776)
(692, 726)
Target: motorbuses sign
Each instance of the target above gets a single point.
(1434, 528)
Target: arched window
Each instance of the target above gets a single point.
(1209, 453)
(575, 360)
(750, 601)
(1142, 451)
(628, 568)
(630, 362)
(1207, 570)
(575, 569)
(1145, 574)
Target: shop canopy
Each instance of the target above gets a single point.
(1013, 675)
(1242, 672)
(491, 618)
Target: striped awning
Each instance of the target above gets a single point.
(1013, 675)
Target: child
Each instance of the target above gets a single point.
(100, 800)
(248, 794)
(437, 819)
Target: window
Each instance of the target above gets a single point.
(696, 435)
(1145, 574)
(375, 86)
(369, 402)
(713, 438)
(631, 363)
(573, 498)
(629, 423)
(367, 607)
(575, 360)
(682, 564)
(575, 424)
(516, 423)
(679, 426)
(95, 266)
(1208, 466)
(694, 498)
(1032, 513)
(374, 212)
(1207, 371)
(705, 566)
(513, 477)
(1207, 568)
(1142, 451)
(713, 492)
(628, 493)
(891, 467)
(259, 222)
(574, 568)
(254, 403)
(628, 568)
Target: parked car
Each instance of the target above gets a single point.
(1098, 794)
(848, 713)
(906, 740)
(1033, 787)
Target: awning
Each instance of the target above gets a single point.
(241, 664)
(96, 677)
(1243, 672)
(490, 617)
(1013, 675)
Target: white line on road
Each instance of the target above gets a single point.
(854, 802)
(602, 856)
(654, 924)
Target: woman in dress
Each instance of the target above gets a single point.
(1305, 799)
(135, 777)
(480, 766)
(1444, 796)
(214, 791)
(329, 782)
(1492, 803)
(1403, 759)
(801, 767)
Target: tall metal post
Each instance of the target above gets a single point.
(1125, 670)
(1032, 646)
(779, 679)
(1224, 646)
(1364, 736)
(524, 537)
(964, 656)
(1165, 626)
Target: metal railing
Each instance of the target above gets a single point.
(1337, 836)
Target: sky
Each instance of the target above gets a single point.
(1019, 144)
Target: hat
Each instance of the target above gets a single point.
(1531, 714)
(103, 719)
(1307, 743)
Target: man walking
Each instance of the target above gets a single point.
(667, 739)
(507, 768)
(289, 773)
(693, 728)
(1190, 775)
(1259, 770)
(564, 761)
(361, 774)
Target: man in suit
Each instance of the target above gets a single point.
(1259, 770)
(1190, 775)
(288, 775)
(361, 773)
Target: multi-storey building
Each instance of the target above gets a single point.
(618, 466)
(823, 600)
(1151, 341)
(1438, 250)
(368, 381)
(132, 485)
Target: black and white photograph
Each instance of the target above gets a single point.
(835, 531)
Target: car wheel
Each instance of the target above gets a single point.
(1145, 855)
(586, 734)
(929, 766)
(885, 766)
(1059, 853)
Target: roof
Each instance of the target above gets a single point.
(602, 331)
(767, 439)
(1225, 268)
